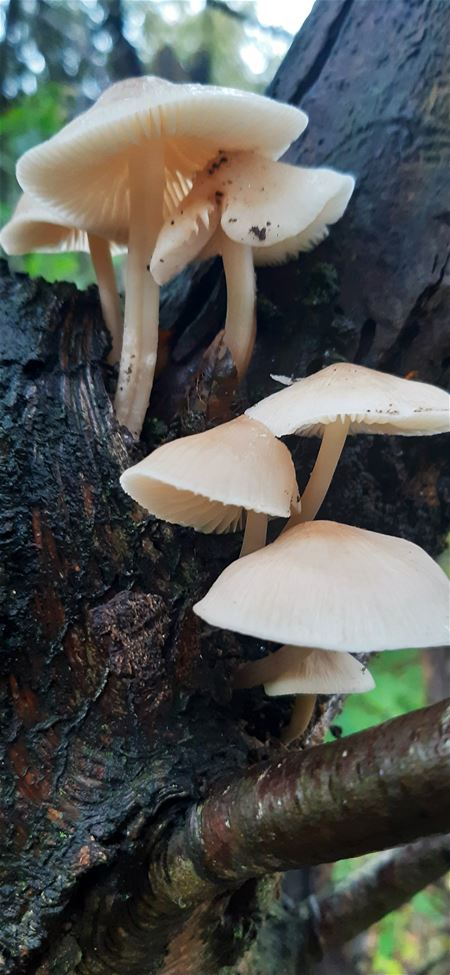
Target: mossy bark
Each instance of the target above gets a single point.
(116, 706)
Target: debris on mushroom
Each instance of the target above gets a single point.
(347, 399)
(249, 210)
(35, 227)
(208, 480)
(127, 163)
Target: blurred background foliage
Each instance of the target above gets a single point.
(56, 56)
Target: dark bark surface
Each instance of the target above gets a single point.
(116, 706)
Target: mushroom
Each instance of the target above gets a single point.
(330, 586)
(346, 399)
(207, 480)
(33, 227)
(249, 210)
(126, 163)
(305, 673)
(322, 585)
(303, 670)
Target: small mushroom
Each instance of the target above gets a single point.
(249, 210)
(347, 399)
(329, 586)
(305, 673)
(125, 164)
(207, 480)
(34, 227)
(302, 670)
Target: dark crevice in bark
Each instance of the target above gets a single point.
(321, 59)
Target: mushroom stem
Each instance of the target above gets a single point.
(300, 717)
(255, 533)
(107, 289)
(271, 668)
(240, 322)
(140, 338)
(333, 440)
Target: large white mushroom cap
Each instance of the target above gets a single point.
(83, 169)
(207, 480)
(300, 670)
(375, 402)
(334, 587)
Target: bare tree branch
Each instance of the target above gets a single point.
(381, 886)
(301, 935)
(337, 800)
(364, 793)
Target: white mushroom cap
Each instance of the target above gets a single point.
(300, 670)
(87, 161)
(33, 227)
(333, 587)
(375, 402)
(272, 207)
(207, 480)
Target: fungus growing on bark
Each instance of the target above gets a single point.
(34, 227)
(326, 586)
(305, 673)
(347, 399)
(207, 480)
(329, 586)
(125, 164)
(303, 670)
(249, 210)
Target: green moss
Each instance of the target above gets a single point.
(323, 285)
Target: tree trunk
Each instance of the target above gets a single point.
(116, 704)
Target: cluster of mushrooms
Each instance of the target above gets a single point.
(176, 173)
(322, 589)
(172, 173)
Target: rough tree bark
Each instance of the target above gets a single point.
(116, 703)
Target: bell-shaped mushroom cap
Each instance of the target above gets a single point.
(33, 227)
(71, 170)
(207, 480)
(272, 207)
(333, 587)
(301, 671)
(375, 402)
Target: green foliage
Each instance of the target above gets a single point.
(399, 688)
(30, 120)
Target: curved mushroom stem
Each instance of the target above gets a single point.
(261, 671)
(140, 339)
(333, 441)
(255, 533)
(107, 289)
(240, 323)
(300, 717)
